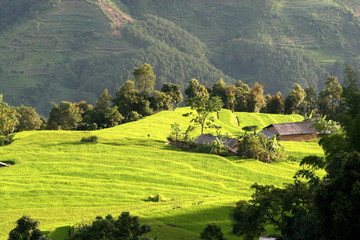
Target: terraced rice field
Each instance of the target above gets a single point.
(62, 182)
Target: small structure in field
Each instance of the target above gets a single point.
(3, 164)
(267, 238)
(295, 131)
(230, 144)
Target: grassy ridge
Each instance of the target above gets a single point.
(61, 181)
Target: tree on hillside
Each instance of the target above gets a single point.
(174, 92)
(28, 119)
(294, 99)
(255, 98)
(219, 90)
(241, 96)
(65, 116)
(275, 104)
(212, 232)
(203, 106)
(103, 115)
(8, 118)
(330, 97)
(195, 89)
(230, 97)
(159, 101)
(144, 78)
(26, 229)
(350, 105)
(130, 103)
(310, 104)
(125, 227)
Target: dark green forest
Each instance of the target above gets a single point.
(68, 50)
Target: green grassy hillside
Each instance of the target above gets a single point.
(60, 181)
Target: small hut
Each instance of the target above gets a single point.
(295, 131)
(231, 144)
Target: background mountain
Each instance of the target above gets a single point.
(52, 50)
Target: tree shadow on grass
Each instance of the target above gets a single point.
(60, 233)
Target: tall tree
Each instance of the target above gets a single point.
(174, 92)
(330, 97)
(294, 99)
(65, 116)
(275, 104)
(230, 97)
(195, 89)
(203, 106)
(350, 106)
(8, 118)
(144, 78)
(28, 119)
(255, 98)
(310, 104)
(131, 103)
(103, 115)
(241, 96)
(26, 229)
(219, 90)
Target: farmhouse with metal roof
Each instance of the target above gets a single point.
(231, 144)
(295, 131)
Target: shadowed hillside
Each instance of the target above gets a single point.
(72, 50)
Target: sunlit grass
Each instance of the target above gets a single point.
(61, 181)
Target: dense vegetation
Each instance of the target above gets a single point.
(317, 208)
(58, 55)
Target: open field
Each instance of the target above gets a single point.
(60, 181)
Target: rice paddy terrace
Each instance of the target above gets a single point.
(61, 182)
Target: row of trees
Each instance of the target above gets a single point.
(125, 227)
(134, 100)
(138, 98)
(243, 98)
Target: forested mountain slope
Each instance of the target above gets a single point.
(71, 50)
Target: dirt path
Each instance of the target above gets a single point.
(118, 18)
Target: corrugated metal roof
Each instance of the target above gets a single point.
(293, 128)
(208, 139)
(269, 134)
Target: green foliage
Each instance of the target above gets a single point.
(26, 229)
(275, 104)
(93, 139)
(203, 106)
(8, 119)
(12, 11)
(144, 78)
(28, 119)
(125, 227)
(330, 97)
(195, 89)
(261, 148)
(65, 116)
(294, 99)
(157, 198)
(212, 232)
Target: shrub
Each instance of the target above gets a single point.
(261, 148)
(6, 140)
(93, 139)
(157, 198)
